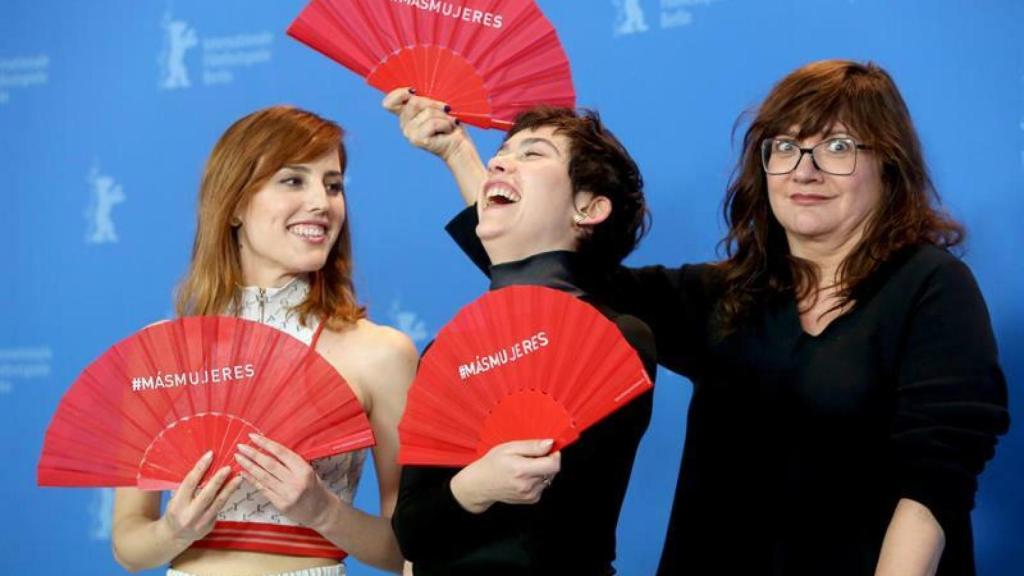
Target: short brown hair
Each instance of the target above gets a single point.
(600, 164)
(759, 266)
(243, 160)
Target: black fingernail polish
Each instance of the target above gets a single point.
(447, 108)
(412, 90)
(458, 122)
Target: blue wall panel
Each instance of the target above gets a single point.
(102, 145)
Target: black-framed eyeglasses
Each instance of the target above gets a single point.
(837, 156)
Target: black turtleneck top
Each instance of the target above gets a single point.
(572, 529)
(799, 447)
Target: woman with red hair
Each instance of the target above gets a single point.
(273, 245)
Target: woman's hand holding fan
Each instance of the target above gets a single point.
(287, 480)
(155, 402)
(515, 472)
(426, 123)
(192, 510)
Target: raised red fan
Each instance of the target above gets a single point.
(488, 59)
(144, 412)
(523, 362)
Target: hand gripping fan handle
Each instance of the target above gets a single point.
(485, 121)
(570, 435)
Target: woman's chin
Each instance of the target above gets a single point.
(307, 266)
(488, 232)
(809, 229)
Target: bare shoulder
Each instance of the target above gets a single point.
(383, 344)
(374, 359)
(373, 342)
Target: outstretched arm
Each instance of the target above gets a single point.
(427, 125)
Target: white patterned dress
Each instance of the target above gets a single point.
(248, 520)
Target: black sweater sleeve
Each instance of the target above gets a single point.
(427, 516)
(950, 395)
(675, 303)
(425, 503)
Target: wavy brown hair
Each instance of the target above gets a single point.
(759, 267)
(251, 151)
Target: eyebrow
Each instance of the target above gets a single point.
(830, 134)
(835, 131)
(305, 170)
(533, 140)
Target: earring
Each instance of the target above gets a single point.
(236, 221)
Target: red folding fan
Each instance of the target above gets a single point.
(518, 363)
(487, 59)
(144, 412)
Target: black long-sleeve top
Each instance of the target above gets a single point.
(799, 447)
(572, 529)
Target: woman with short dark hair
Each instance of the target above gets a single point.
(560, 204)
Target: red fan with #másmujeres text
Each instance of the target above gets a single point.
(145, 411)
(487, 59)
(523, 362)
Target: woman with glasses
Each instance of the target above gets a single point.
(847, 391)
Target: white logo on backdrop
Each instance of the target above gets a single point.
(179, 38)
(222, 56)
(21, 72)
(102, 511)
(408, 322)
(629, 17)
(676, 13)
(23, 364)
(106, 193)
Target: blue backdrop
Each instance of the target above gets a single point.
(109, 109)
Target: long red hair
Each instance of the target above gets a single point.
(243, 160)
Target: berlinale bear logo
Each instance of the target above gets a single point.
(179, 38)
(630, 17)
(105, 195)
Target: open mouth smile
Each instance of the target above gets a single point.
(500, 195)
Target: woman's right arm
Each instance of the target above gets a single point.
(427, 125)
(142, 538)
(438, 515)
